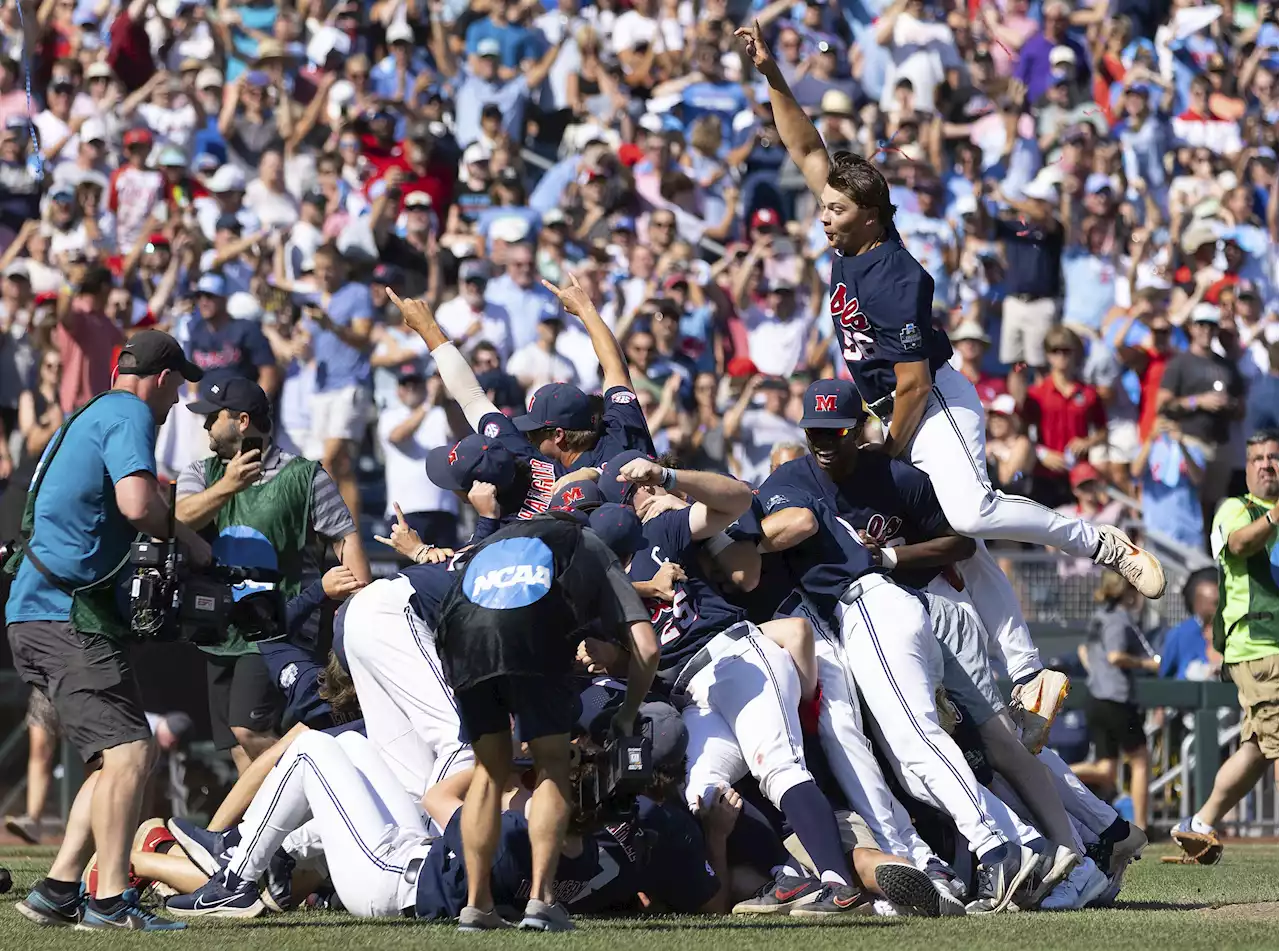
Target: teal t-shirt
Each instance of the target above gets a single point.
(79, 533)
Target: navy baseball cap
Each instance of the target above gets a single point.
(580, 496)
(613, 490)
(236, 393)
(831, 404)
(470, 460)
(557, 406)
(619, 528)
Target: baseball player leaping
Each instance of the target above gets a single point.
(881, 302)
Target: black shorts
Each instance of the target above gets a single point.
(241, 694)
(89, 681)
(542, 706)
(1114, 728)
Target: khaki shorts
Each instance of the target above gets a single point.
(854, 834)
(1259, 684)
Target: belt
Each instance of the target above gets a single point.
(705, 656)
(882, 408)
(411, 872)
(1027, 298)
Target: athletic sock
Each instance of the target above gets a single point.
(1115, 832)
(1202, 827)
(809, 813)
(107, 906)
(61, 892)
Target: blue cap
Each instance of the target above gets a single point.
(619, 528)
(831, 404)
(470, 460)
(213, 284)
(559, 406)
(580, 496)
(610, 487)
(63, 192)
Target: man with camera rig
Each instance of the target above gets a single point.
(266, 509)
(506, 638)
(94, 490)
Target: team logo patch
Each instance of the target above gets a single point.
(288, 676)
(824, 403)
(910, 337)
(571, 495)
(453, 453)
(491, 430)
(626, 396)
(775, 501)
(511, 573)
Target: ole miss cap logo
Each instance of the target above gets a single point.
(453, 453)
(832, 404)
(579, 497)
(824, 403)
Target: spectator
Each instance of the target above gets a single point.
(1187, 651)
(970, 343)
(539, 363)
(218, 342)
(1114, 652)
(86, 339)
(1091, 502)
(753, 431)
(1170, 471)
(1011, 455)
(1041, 52)
(1261, 413)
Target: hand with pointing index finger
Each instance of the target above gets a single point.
(403, 538)
(573, 298)
(417, 315)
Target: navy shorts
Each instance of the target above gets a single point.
(542, 706)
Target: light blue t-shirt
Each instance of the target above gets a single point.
(339, 364)
(1090, 284)
(928, 240)
(1170, 502)
(79, 533)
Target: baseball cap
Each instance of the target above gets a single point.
(137, 137)
(93, 130)
(399, 32)
(18, 269)
(581, 496)
(99, 70)
(209, 78)
(236, 393)
(388, 274)
(741, 366)
(151, 351)
(668, 736)
(228, 178)
(766, 217)
(1061, 55)
(316, 197)
(417, 200)
(410, 371)
(228, 223)
(1197, 235)
(831, 404)
(559, 406)
(1040, 191)
(475, 152)
(779, 285)
(610, 487)
(244, 306)
(488, 47)
(470, 460)
(1098, 182)
(622, 223)
(619, 528)
(836, 102)
(474, 269)
(1206, 313)
(171, 157)
(1083, 472)
(1003, 405)
(215, 285)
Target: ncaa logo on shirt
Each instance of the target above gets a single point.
(626, 396)
(511, 573)
(491, 431)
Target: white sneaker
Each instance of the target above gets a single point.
(1038, 702)
(1085, 883)
(1138, 566)
(1064, 860)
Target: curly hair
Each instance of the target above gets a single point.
(335, 687)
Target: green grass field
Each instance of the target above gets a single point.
(1166, 907)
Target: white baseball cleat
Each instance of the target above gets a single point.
(1038, 702)
(1085, 883)
(1138, 566)
(1057, 869)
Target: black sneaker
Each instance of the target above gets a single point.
(780, 896)
(207, 850)
(278, 891)
(835, 899)
(130, 916)
(42, 908)
(908, 887)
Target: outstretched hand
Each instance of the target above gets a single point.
(573, 298)
(417, 315)
(753, 42)
(403, 538)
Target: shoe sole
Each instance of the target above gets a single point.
(908, 886)
(781, 908)
(541, 924)
(1056, 874)
(20, 830)
(1136, 552)
(1039, 732)
(198, 854)
(84, 927)
(253, 911)
(861, 907)
(1024, 873)
(43, 920)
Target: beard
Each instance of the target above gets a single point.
(224, 447)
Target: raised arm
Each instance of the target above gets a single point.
(613, 366)
(799, 134)
(718, 500)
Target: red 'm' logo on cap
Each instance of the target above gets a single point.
(453, 453)
(826, 403)
(571, 495)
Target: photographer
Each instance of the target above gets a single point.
(66, 627)
(544, 574)
(267, 509)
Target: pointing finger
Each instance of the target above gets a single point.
(399, 514)
(386, 541)
(551, 287)
(395, 298)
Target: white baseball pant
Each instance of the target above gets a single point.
(409, 711)
(743, 717)
(950, 444)
(888, 648)
(369, 826)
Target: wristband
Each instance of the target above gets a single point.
(889, 558)
(422, 550)
(717, 543)
(668, 479)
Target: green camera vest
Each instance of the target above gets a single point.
(1246, 596)
(279, 509)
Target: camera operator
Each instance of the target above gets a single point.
(266, 509)
(506, 641)
(93, 491)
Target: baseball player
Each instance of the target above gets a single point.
(881, 304)
(886, 645)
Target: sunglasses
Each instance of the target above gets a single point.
(1066, 350)
(827, 435)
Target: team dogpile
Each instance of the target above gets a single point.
(828, 732)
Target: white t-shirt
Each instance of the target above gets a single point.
(51, 130)
(456, 318)
(405, 462)
(634, 29)
(271, 208)
(759, 433)
(171, 126)
(921, 52)
(776, 346)
(574, 344)
(300, 249)
(539, 368)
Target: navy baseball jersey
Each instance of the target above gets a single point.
(890, 500)
(624, 428)
(776, 580)
(826, 563)
(698, 612)
(536, 498)
(882, 307)
(430, 584)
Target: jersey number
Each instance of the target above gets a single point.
(671, 619)
(856, 339)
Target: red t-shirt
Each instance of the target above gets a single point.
(1062, 417)
(88, 345)
(989, 387)
(130, 52)
(1150, 380)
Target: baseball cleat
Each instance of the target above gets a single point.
(908, 887)
(1137, 565)
(224, 895)
(998, 884)
(44, 909)
(945, 880)
(277, 891)
(1038, 702)
(835, 899)
(780, 896)
(1057, 869)
(1129, 849)
(152, 836)
(473, 919)
(1085, 884)
(539, 916)
(130, 916)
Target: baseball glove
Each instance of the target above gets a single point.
(1198, 848)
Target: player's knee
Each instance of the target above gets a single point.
(776, 781)
(967, 519)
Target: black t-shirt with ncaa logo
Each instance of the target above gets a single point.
(882, 307)
(624, 428)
